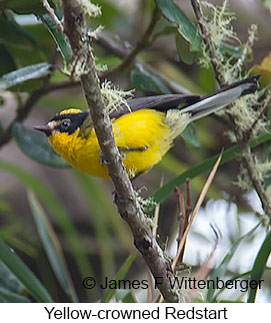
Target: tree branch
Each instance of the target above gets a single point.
(116, 49)
(109, 45)
(143, 42)
(23, 112)
(242, 137)
(207, 41)
(128, 206)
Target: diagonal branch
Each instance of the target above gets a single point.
(128, 206)
(143, 42)
(242, 138)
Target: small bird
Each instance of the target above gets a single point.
(143, 135)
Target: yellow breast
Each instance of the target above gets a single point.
(143, 137)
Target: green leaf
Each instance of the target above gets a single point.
(51, 246)
(235, 51)
(59, 213)
(162, 193)
(163, 27)
(120, 275)
(24, 274)
(183, 50)
(26, 78)
(7, 62)
(113, 17)
(25, 6)
(10, 282)
(190, 135)
(125, 296)
(185, 26)
(9, 297)
(59, 38)
(143, 81)
(36, 146)
(100, 221)
(220, 271)
(259, 266)
(11, 33)
(236, 277)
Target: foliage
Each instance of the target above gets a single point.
(75, 224)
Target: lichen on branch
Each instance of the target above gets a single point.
(128, 206)
(244, 117)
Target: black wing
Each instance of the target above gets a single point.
(158, 102)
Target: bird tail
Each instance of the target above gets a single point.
(226, 95)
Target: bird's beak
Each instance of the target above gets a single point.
(45, 129)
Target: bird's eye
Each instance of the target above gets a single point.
(65, 124)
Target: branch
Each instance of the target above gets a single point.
(128, 206)
(242, 138)
(121, 51)
(21, 115)
(266, 104)
(207, 41)
(23, 112)
(143, 42)
(112, 47)
(52, 14)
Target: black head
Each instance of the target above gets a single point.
(68, 121)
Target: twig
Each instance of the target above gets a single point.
(195, 211)
(156, 214)
(121, 51)
(185, 211)
(207, 41)
(109, 45)
(247, 135)
(204, 269)
(128, 206)
(21, 115)
(52, 15)
(249, 44)
(188, 211)
(247, 157)
(34, 97)
(181, 216)
(143, 42)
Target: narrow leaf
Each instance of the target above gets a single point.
(10, 297)
(59, 213)
(185, 26)
(236, 277)
(7, 61)
(51, 246)
(26, 6)
(36, 146)
(11, 31)
(196, 209)
(24, 78)
(125, 296)
(190, 135)
(144, 81)
(120, 275)
(59, 38)
(234, 51)
(10, 282)
(220, 271)
(23, 273)
(162, 193)
(259, 266)
(183, 50)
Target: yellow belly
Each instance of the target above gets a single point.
(143, 137)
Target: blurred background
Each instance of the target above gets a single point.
(94, 239)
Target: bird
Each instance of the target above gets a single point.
(143, 134)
